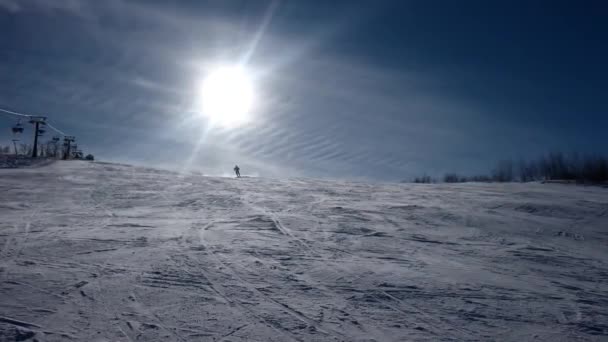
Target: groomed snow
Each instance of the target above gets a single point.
(103, 252)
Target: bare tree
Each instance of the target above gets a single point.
(453, 178)
(503, 171)
(553, 166)
(24, 149)
(424, 179)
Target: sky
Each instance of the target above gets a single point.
(380, 90)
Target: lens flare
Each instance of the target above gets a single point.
(227, 96)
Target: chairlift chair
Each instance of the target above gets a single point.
(18, 128)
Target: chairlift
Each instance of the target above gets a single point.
(41, 131)
(18, 128)
(38, 119)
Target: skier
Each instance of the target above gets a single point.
(237, 170)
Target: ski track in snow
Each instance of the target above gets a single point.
(109, 252)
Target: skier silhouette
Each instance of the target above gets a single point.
(237, 170)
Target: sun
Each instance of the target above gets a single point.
(227, 96)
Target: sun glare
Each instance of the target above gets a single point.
(227, 96)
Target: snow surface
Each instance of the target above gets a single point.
(105, 252)
(8, 161)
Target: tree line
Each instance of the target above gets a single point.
(551, 167)
(49, 150)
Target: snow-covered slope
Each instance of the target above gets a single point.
(102, 252)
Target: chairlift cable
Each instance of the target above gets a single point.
(14, 113)
(55, 129)
(6, 111)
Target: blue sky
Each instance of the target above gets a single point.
(382, 90)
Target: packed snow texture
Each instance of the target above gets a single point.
(105, 252)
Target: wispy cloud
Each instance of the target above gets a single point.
(10, 5)
(126, 71)
(16, 6)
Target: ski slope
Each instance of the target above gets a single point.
(107, 252)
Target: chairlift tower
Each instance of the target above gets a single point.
(37, 121)
(17, 130)
(15, 145)
(55, 145)
(67, 142)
